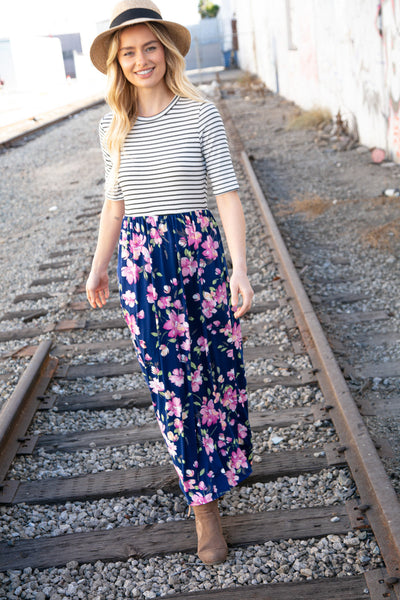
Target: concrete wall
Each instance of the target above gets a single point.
(34, 63)
(339, 54)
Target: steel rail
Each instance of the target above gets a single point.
(35, 129)
(17, 413)
(376, 491)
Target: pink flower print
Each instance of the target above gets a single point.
(178, 424)
(208, 444)
(194, 237)
(189, 266)
(164, 302)
(124, 253)
(151, 294)
(231, 374)
(221, 295)
(227, 330)
(186, 344)
(210, 416)
(171, 449)
(203, 344)
(176, 325)
(156, 386)
(151, 221)
(155, 236)
(148, 261)
(232, 477)
(210, 248)
(242, 431)
(177, 377)
(197, 380)
(131, 322)
(208, 306)
(198, 499)
(136, 245)
(242, 397)
(203, 220)
(174, 407)
(236, 335)
(129, 298)
(222, 420)
(229, 398)
(164, 350)
(130, 272)
(178, 305)
(239, 459)
(189, 484)
(178, 470)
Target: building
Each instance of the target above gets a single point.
(335, 54)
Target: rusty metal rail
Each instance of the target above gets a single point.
(379, 500)
(17, 413)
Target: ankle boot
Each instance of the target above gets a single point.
(211, 546)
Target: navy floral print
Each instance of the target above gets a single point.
(174, 292)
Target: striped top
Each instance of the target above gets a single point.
(166, 158)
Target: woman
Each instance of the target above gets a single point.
(160, 143)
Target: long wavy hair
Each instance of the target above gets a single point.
(122, 95)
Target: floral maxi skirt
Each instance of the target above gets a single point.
(175, 298)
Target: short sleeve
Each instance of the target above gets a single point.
(215, 149)
(115, 192)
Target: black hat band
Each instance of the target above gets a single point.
(135, 13)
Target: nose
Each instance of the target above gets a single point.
(140, 59)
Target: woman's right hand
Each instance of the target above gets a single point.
(97, 290)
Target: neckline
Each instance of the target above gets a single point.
(160, 114)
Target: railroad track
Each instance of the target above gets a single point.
(71, 376)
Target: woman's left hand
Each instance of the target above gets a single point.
(240, 286)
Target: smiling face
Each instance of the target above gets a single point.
(141, 57)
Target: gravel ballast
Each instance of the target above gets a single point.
(63, 171)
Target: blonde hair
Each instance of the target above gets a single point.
(122, 95)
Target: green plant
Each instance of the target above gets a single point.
(208, 9)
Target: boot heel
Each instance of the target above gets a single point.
(211, 547)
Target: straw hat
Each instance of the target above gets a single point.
(132, 12)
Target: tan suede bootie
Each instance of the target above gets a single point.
(211, 545)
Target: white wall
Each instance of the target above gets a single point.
(329, 53)
(37, 62)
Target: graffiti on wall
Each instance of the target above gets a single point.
(388, 25)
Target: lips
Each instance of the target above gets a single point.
(145, 72)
